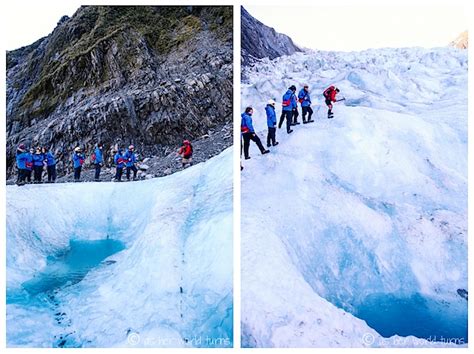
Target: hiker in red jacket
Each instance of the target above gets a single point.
(330, 97)
(186, 152)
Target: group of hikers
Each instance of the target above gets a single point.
(289, 112)
(33, 161)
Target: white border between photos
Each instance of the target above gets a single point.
(236, 166)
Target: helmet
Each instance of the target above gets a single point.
(22, 147)
(271, 102)
(293, 88)
(186, 142)
(78, 149)
(131, 147)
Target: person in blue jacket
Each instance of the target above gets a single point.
(130, 162)
(38, 163)
(21, 158)
(248, 133)
(77, 160)
(50, 165)
(271, 123)
(29, 164)
(98, 161)
(305, 100)
(120, 164)
(288, 104)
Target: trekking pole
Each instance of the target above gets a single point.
(342, 99)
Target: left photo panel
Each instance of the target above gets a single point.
(119, 180)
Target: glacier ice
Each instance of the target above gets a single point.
(370, 203)
(170, 286)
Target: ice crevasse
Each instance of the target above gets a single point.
(356, 225)
(168, 285)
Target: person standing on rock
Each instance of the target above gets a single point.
(186, 152)
(29, 164)
(50, 165)
(330, 97)
(21, 158)
(38, 163)
(289, 102)
(305, 100)
(78, 160)
(271, 123)
(130, 162)
(119, 161)
(248, 133)
(98, 160)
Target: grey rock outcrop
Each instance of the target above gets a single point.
(147, 75)
(260, 41)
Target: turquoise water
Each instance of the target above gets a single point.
(416, 315)
(71, 267)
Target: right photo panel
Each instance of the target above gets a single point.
(354, 176)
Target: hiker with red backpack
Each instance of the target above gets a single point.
(288, 106)
(330, 97)
(305, 101)
(97, 159)
(186, 152)
(248, 133)
(78, 160)
(120, 164)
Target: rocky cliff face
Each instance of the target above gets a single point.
(461, 41)
(145, 75)
(260, 41)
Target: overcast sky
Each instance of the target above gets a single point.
(351, 27)
(26, 23)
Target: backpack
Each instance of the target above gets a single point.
(328, 91)
(93, 157)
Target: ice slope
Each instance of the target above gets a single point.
(171, 286)
(373, 201)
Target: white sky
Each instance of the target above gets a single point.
(28, 22)
(350, 27)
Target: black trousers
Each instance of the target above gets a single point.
(28, 175)
(282, 118)
(134, 169)
(77, 173)
(307, 110)
(295, 115)
(329, 104)
(251, 136)
(38, 172)
(51, 173)
(289, 117)
(118, 173)
(97, 170)
(21, 175)
(271, 139)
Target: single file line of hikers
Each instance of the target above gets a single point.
(289, 112)
(32, 162)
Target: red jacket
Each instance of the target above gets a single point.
(330, 93)
(186, 151)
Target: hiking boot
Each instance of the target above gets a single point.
(276, 143)
(310, 121)
(265, 152)
(290, 131)
(247, 157)
(268, 145)
(296, 123)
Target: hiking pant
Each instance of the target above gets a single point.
(97, 170)
(51, 173)
(77, 173)
(308, 110)
(28, 175)
(282, 118)
(21, 175)
(134, 169)
(38, 172)
(289, 116)
(251, 136)
(295, 115)
(329, 104)
(271, 136)
(118, 174)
